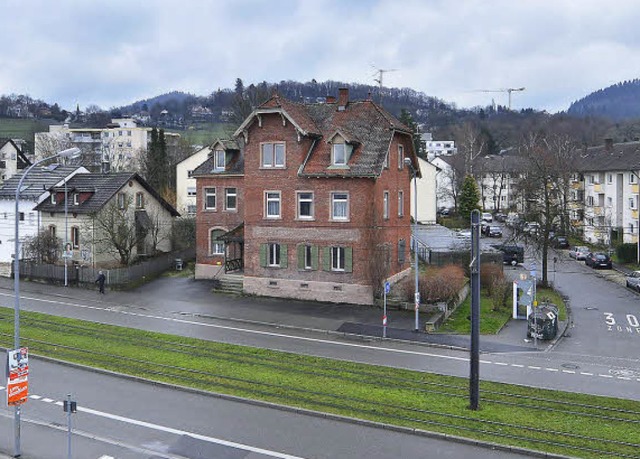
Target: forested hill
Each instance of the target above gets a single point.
(620, 101)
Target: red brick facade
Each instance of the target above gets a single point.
(298, 240)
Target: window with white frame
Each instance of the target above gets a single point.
(121, 200)
(216, 246)
(589, 200)
(272, 204)
(400, 203)
(75, 237)
(308, 256)
(53, 198)
(631, 228)
(400, 156)
(191, 209)
(210, 198)
(385, 205)
(337, 258)
(592, 179)
(230, 199)
(76, 199)
(632, 202)
(609, 178)
(139, 200)
(339, 154)
(274, 255)
(219, 160)
(191, 191)
(273, 155)
(632, 177)
(339, 206)
(305, 205)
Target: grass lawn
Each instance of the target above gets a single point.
(205, 133)
(529, 417)
(16, 128)
(492, 321)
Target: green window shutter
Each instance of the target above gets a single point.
(314, 257)
(326, 258)
(348, 259)
(284, 260)
(300, 250)
(263, 255)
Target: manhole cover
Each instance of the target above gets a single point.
(570, 366)
(591, 308)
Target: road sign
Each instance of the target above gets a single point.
(387, 287)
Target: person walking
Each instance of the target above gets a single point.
(100, 281)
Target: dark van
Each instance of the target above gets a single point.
(512, 254)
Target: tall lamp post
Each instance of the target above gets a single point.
(69, 153)
(416, 295)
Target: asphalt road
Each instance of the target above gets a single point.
(125, 419)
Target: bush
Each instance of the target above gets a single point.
(438, 284)
(490, 274)
(500, 292)
(627, 253)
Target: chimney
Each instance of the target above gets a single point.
(608, 145)
(331, 99)
(343, 98)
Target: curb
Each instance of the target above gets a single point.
(317, 414)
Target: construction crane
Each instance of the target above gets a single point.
(507, 90)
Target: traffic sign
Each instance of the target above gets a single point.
(387, 287)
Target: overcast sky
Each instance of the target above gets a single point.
(115, 52)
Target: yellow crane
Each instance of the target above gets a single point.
(507, 90)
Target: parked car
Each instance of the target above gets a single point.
(444, 212)
(494, 231)
(464, 233)
(633, 280)
(487, 217)
(511, 254)
(500, 217)
(598, 260)
(579, 252)
(560, 242)
(532, 228)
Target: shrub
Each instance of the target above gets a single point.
(490, 273)
(627, 253)
(500, 292)
(438, 284)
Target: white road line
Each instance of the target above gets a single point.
(35, 397)
(517, 365)
(502, 364)
(47, 400)
(606, 376)
(571, 372)
(584, 373)
(531, 367)
(552, 369)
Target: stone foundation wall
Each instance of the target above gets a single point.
(309, 290)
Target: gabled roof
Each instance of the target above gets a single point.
(39, 180)
(366, 125)
(235, 161)
(611, 157)
(103, 188)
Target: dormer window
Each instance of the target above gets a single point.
(53, 198)
(339, 155)
(219, 160)
(76, 199)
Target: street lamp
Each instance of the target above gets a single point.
(68, 153)
(416, 295)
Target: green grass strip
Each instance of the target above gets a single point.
(558, 422)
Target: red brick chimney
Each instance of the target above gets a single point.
(331, 99)
(343, 98)
(608, 145)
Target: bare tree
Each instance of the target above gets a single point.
(43, 248)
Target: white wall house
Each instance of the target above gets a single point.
(185, 184)
(444, 178)
(437, 148)
(426, 194)
(12, 158)
(34, 191)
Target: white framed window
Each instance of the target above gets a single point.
(219, 160)
(216, 246)
(121, 200)
(589, 200)
(592, 179)
(632, 203)
(230, 199)
(338, 154)
(337, 258)
(191, 191)
(400, 156)
(632, 177)
(273, 155)
(75, 237)
(191, 209)
(76, 199)
(385, 205)
(339, 205)
(609, 178)
(400, 203)
(210, 198)
(305, 205)
(274, 255)
(631, 228)
(272, 204)
(308, 257)
(139, 200)
(53, 198)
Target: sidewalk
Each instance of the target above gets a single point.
(187, 297)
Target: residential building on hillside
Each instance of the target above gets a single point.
(112, 218)
(34, 191)
(116, 147)
(12, 158)
(610, 183)
(315, 201)
(437, 148)
(426, 194)
(498, 177)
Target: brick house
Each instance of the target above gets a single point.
(321, 196)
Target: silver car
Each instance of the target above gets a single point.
(633, 280)
(579, 252)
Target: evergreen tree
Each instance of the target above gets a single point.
(407, 119)
(469, 197)
(156, 171)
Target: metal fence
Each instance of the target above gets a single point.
(117, 277)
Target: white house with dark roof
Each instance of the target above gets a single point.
(34, 190)
(12, 158)
(95, 202)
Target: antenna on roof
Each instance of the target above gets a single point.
(380, 73)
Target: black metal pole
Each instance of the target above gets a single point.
(474, 379)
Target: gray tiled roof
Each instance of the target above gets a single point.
(39, 180)
(103, 187)
(617, 157)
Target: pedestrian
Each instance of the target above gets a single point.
(100, 281)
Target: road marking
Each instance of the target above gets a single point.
(517, 365)
(532, 367)
(552, 369)
(584, 373)
(47, 400)
(501, 364)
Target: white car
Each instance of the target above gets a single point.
(487, 217)
(633, 280)
(579, 252)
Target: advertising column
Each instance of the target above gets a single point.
(17, 376)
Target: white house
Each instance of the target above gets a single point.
(444, 182)
(185, 184)
(426, 193)
(12, 158)
(34, 191)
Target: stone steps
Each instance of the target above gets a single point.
(230, 283)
